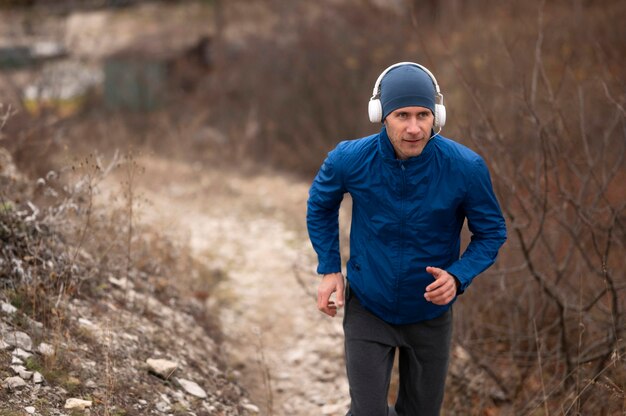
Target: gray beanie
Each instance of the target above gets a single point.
(406, 86)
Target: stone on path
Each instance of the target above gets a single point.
(250, 407)
(192, 388)
(37, 378)
(162, 367)
(79, 404)
(13, 383)
(19, 339)
(45, 349)
(22, 371)
(8, 308)
(20, 353)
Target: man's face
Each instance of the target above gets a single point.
(409, 130)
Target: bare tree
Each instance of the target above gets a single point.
(556, 149)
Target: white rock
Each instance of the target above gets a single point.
(35, 324)
(46, 349)
(8, 308)
(22, 372)
(86, 323)
(4, 345)
(461, 354)
(13, 382)
(91, 384)
(20, 353)
(142, 402)
(250, 407)
(37, 378)
(18, 368)
(19, 339)
(30, 410)
(16, 360)
(26, 375)
(74, 403)
(122, 283)
(192, 388)
(162, 367)
(89, 363)
(163, 407)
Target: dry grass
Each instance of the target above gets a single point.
(535, 87)
(61, 245)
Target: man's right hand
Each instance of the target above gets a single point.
(330, 283)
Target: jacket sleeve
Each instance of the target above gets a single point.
(325, 197)
(486, 224)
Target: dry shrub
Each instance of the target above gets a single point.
(286, 98)
(59, 243)
(548, 115)
(537, 89)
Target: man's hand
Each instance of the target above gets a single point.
(443, 289)
(330, 283)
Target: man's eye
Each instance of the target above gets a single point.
(423, 114)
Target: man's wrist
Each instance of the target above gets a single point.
(456, 281)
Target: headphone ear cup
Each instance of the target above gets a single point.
(440, 115)
(375, 111)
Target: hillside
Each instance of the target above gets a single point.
(78, 322)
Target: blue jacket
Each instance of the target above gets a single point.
(406, 215)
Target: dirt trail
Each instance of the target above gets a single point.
(287, 354)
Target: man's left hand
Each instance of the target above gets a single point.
(443, 289)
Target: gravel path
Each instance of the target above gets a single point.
(286, 353)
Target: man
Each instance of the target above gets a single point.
(412, 189)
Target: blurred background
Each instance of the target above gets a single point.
(536, 87)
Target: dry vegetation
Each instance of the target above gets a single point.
(536, 87)
(88, 279)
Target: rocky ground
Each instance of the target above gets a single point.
(146, 346)
(159, 362)
(289, 356)
(79, 335)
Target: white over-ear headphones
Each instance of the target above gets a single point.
(375, 107)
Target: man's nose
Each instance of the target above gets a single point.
(413, 126)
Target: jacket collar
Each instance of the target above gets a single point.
(386, 150)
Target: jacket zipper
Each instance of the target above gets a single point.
(401, 239)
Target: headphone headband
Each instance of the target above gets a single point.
(376, 90)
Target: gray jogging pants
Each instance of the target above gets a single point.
(370, 347)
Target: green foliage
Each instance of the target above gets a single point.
(6, 207)
(33, 363)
